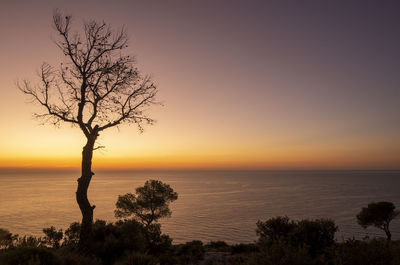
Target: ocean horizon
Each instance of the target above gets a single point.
(212, 204)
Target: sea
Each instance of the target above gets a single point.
(211, 205)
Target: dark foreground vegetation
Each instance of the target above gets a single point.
(140, 241)
(280, 241)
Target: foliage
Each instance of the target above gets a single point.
(52, 237)
(313, 236)
(239, 259)
(378, 214)
(169, 258)
(137, 259)
(70, 256)
(125, 243)
(316, 235)
(281, 253)
(111, 241)
(148, 204)
(215, 258)
(157, 243)
(131, 234)
(274, 229)
(244, 248)
(217, 246)
(373, 252)
(129, 242)
(6, 238)
(29, 241)
(71, 235)
(29, 256)
(191, 252)
(283, 241)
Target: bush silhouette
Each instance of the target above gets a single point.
(6, 238)
(29, 255)
(312, 235)
(274, 229)
(52, 237)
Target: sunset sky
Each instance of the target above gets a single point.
(245, 85)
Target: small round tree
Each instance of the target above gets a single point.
(378, 214)
(148, 204)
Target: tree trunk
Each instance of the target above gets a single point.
(81, 194)
(388, 234)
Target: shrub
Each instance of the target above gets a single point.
(355, 252)
(29, 256)
(6, 238)
(168, 259)
(131, 234)
(244, 248)
(191, 252)
(52, 237)
(215, 258)
(70, 256)
(137, 259)
(29, 241)
(71, 235)
(219, 246)
(157, 242)
(314, 235)
(111, 241)
(275, 229)
(281, 253)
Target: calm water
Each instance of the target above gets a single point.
(220, 205)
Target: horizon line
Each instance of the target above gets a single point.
(74, 169)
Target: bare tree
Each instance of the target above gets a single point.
(96, 88)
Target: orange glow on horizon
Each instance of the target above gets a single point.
(280, 96)
(276, 160)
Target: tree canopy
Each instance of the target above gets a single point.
(148, 204)
(378, 214)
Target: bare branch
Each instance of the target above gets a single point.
(97, 87)
(41, 95)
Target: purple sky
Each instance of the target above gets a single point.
(268, 84)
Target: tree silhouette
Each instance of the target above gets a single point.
(96, 88)
(52, 237)
(148, 204)
(378, 214)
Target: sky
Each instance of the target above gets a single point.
(245, 85)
